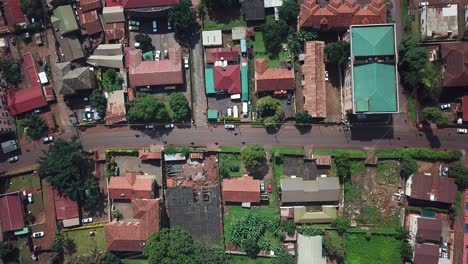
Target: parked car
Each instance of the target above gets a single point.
(13, 159)
(229, 126)
(48, 139)
(89, 115)
(169, 126)
(289, 98)
(186, 64)
(38, 234)
(326, 76)
(155, 26)
(262, 186)
(133, 28)
(166, 55)
(462, 131)
(444, 246)
(30, 198)
(169, 26)
(87, 220)
(158, 55)
(38, 38)
(83, 117)
(445, 106)
(269, 187)
(445, 171)
(134, 23)
(149, 126)
(423, 4)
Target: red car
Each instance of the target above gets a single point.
(269, 188)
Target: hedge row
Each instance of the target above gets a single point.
(379, 231)
(419, 154)
(352, 153)
(90, 226)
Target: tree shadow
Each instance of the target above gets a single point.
(304, 129)
(259, 172)
(69, 246)
(434, 141)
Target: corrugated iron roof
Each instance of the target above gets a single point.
(314, 89)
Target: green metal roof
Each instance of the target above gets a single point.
(23, 231)
(245, 83)
(148, 56)
(209, 80)
(64, 15)
(373, 40)
(212, 114)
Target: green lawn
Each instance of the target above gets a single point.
(86, 243)
(412, 108)
(230, 149)
(353, 153)
(134, 261)
(246, 260)
(231, 160)
(37, 206)
(379, 249)
(259, 45)
(210, 25)
(274, 61)
(388, 172)
(286, 150)
(20, 127)
(358, 166)
(20, 182)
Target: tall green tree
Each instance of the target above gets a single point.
(341, 224)
(184, 19)
(343, 167)
(273, 35)
(289, 11)
(11, 72)
(8, 252)
(59, 243)
(434, 114)
(253, 156)
(407, 43)
(179, 106)
(303, 118)
(147, 108)
(146, 43)
(460, 173)
(99, 102)
(333, 246)
(32, 8)
(296, 40)
(36, 126)
(270, 111)
(283, 257)
(337, 52)
(408, 166)
(412, 66)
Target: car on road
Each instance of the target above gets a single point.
(155, 26)
(186, 64)
(13, 159)
(48, 139)
(445, 106)
(462, 131)
(326, 76)
(38, 234)
(149, 126)
(87, 220)
(30, 198)
(229, 126)
(158, 55)
(262, 186)
(169, 126)
(269, 187)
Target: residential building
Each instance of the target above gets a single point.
(116, 111)
(67, 33)
(89, 5)
(439, 21)
(195, 210)
(63, 20)
(108, 56)
(213, 55)
(165, 72)
(455, 58)
(425, 230)
(7, 121)
(131, 186)
(338, 15)
(212, 38)
(239, 33)
(374, 86)
(465, 108)
(431, 190)
(314, 214)
(66, 210)
(31, 98)
(426, 254)
(272, 79)
(90, 22)
(314, 89)
(13, 14)
(296, 191)
(227, 79)
(128, 235)
(253, 9)
(12, 216)
(114, 23)
(70, 48)
(241, 190)
(72, 80)
(309, 250)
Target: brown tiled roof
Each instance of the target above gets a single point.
(90, 22)
(88, 5)
(340, 14)
(426, 254)
(455, 56)
(12, 214)
(115, 31)
(244, 189)
(314, 89)
(129, 235)
(162, 72)
(130, 186)
(196, 155)
(215, 54)
(429, 229)
(148, 155)
(269, 80)
(227, 80)
(323, 160)
(433, 188)
(65, 208)
(116, 111)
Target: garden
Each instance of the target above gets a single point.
(85, 242)
(273, 60)
(230, 165)
(366, 248)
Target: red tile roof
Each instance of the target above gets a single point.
(13, 12)
(244, 189)
(465, 108)
(115, 31)
(65, 208)
(148, 3)
(90, 22)
(314, 89)
(227, 80)
(215, 54)
(30, 98)
(339, 14)
(269, 80)
(455, 56)
(12, 214)
(130, 186)
(149, 73)
(429, 229)
(426, 254)
(49, 93)
(433, 188)
(148, 155)
(88, 5)
(129, 235)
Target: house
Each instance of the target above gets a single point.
(294, 190)
(272, 80)
(212, 38)
(426, 254)
(313, 84)
(114, 23)
(442, 19)
(13, 13)
(431, 190)
(70, 47)
(131, 234)
(227, 79)
(371, 85)
(213, 55)
(426, 230)
(314, 215)
(241, 190)
(73, 80)
(89, 5)
(154, 73)
(131, 186)
(196, 211)
(115, 112)
(7, 121)
(309, 250)
(253, 9)
(66, 210)
(64, 20)
(90, 22)
(28, 99)
(455, 58)
(12, 216)
(338, 15)
(107, 56)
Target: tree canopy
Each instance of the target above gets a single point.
(341, 224)
(111, 80)
(270, 111)
(408, 166)
(274, 34)
(36, 126)
(434, 114)
(11, 72)
(184, 19)
(289, 11)
(333, 246)
(32, 8)
(460, 173)
(296, 40)
(343, 167)
(147, 108)
(337, 52)
(99, 102)
(8, 252)
(253, 156)
(59, 243)
(146, 44)
(412, 66)
(179, 106)
(303, 118)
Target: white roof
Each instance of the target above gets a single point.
(115, 61)
(43, 77)
(309, 250)
(2, 43)
(272, 3)
(174, 157)
(108, 49)
(212, 38)
(238, 33)
(71, 222)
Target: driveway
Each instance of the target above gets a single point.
(199, 100)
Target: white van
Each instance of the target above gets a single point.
(229, 111)
(235, 111)
(245, 109)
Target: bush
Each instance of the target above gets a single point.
(36, 126)
(253, 156)
(289, 227)
(407, 167)
(229, 118)
(460, 173)
(419, 154)
(341, 224)
(179, 106)
(435, 115)
(312, 230)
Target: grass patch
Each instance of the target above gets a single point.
(230, 149)
(231, 160)
(169, 109)
(351, 193)
(259, 45)
(286, 150)
(412, 108)
(246, 260)
(37, 206)
(405, 16)
(274, 61)
(134, 261)
(353, 153)
(378, 249)
(20, 127)
(388, 172)
(210, 25)
(358, 166)
(86, 243)
(18, 183)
